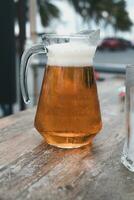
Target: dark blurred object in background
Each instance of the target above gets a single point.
(7, 57)
(114, 43)
(21, 10)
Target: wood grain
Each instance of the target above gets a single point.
(31, 169)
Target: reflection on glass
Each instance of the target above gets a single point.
(128, 151)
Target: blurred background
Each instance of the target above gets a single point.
(24, 21)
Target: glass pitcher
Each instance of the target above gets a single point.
(68, 112)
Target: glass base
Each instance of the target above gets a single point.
(68, 142)
(127, 162)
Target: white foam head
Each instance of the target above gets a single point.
(76, 54)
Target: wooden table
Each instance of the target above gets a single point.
(31, 169)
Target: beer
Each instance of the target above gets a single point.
(68, 113)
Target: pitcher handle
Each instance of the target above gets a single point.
(35, 49)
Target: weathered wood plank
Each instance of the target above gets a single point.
(17, 137)
(31, 169)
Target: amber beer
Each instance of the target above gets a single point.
(68, 113)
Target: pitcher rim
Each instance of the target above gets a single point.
(73, 35)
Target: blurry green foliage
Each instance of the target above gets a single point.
(47, 11)
(111, 11)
